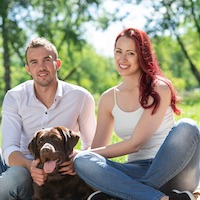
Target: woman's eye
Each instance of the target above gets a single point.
(130, 53)
(117, 52)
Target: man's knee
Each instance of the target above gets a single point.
(16, 183)
(17, 176)
(22, 175)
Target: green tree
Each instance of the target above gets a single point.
(62, 22)
(95, 72)
(13, 37)
(180, 20)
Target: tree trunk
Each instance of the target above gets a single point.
(192, 66)
(6, 57)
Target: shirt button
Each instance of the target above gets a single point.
(46, 113)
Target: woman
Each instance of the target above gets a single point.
(162, 155)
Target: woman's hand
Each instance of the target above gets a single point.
(38, 175)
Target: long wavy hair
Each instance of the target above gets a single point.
(150, 70)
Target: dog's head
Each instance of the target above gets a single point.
(53, 146)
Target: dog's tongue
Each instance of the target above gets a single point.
(49, 166)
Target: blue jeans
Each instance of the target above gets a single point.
(15, 182)
(176, 166)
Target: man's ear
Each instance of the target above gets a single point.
(28, 69)
(58, 64)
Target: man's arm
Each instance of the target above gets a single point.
(16, 158)
(87, 121)
(11, 130)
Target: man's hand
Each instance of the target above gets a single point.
(67, 168)
(38, 175)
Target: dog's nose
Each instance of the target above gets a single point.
(47, 147)
(46, 150)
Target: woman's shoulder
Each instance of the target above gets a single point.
(109, 92)
(162, 88)
(107, 97)
(162, 85)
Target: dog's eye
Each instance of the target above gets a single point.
(56, 139)
(40, 141)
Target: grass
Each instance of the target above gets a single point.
(190, 107)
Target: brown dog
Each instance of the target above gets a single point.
(53, 147)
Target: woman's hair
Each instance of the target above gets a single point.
(150, 70)
(42, 42)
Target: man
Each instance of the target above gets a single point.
(42, 102)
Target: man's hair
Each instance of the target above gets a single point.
(41, 42)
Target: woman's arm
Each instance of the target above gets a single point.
(105, 120)
(146, 127)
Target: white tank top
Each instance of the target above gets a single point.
(125, 123)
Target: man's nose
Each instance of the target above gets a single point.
(42, 65)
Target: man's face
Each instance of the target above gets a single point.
(42, 65)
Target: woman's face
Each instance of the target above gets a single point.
(126, 58)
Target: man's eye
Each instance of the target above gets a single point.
(33, 63)
(48, 59)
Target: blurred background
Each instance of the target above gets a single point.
(84, 32)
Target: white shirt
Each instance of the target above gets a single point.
(23, 114)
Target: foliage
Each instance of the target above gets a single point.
(190, 105)
(94, 72)
(173, 63)
(179, 20)
(63, 23)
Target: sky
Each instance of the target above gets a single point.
(103, 41)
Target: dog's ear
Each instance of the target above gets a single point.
(71, 137)
(32, 146)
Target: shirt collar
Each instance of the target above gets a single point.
(59, 91)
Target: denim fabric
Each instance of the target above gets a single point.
(3, 166)
(176, 166)
(15, 182)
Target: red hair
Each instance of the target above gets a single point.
(150, 70)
